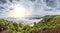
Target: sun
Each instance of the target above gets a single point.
(20, 12)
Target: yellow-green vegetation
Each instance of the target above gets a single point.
(47, 22)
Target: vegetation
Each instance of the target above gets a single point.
(46, 23)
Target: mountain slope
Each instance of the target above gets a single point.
(48, 23)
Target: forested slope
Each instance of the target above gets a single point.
(52, 21)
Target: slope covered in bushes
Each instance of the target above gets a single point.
(52, 21)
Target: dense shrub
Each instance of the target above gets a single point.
(46, 23)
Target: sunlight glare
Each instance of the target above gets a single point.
(20, 12)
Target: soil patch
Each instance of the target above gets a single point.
(52, 30)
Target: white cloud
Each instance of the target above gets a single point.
(37, 7)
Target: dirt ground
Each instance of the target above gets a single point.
(3, 29)
(52, 30)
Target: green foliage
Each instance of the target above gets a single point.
(46, 23)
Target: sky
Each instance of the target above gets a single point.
(33, 9)
(9, 8)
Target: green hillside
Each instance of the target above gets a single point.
(52, 21)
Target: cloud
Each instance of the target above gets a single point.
(37, 7)
(3, 1)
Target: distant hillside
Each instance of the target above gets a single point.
(48, 23)
(52, 21)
